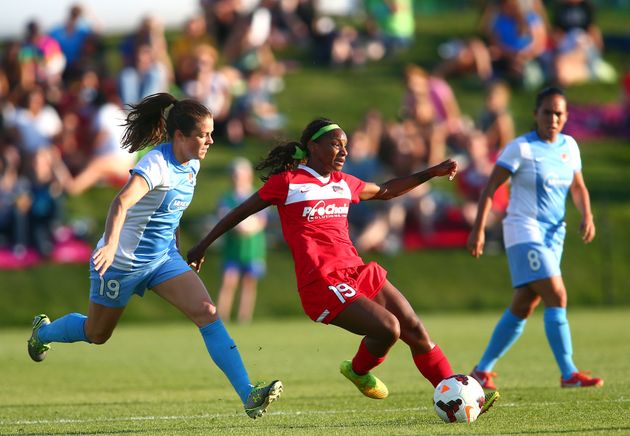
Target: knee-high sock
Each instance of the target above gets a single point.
(364, 360)
(225, 355)
(69, 328)
(506, 332)
(434, 365)
(559, 337)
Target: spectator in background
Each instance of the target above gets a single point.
(71, 36)
(77, 107)
(471, 181)
(256, 109)
(221, 18)
(184, 47)
(212, 87)
(391, 22)
(146, 77)
(431, 106)
(15, 203)
(441, 102)
(12, 65)
(578, 44)
(517, 37)
(36, 124)
(46, 189)
(149, 33)
(495, 119)
(109, 162)
(244, 248)
(41, 59)
(372, 225)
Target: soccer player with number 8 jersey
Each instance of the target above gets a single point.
(544, 166)
(306, 183)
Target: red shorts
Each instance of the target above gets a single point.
(325, 298)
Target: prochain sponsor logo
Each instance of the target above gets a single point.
(321, 210)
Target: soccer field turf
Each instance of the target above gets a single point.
(158, 379)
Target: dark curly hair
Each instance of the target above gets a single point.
(281, 158)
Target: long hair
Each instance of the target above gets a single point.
(148, 122)
(281, 158)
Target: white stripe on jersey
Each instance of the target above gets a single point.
(312, 191)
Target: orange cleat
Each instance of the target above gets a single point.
(484, 378)
(581, 379)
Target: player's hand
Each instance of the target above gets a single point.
(587, 229)
(196, 257)
(103, 258)
(476, 242)
(446, 168)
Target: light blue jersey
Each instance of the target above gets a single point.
(149, 229)
(541, 176)
(534, 227)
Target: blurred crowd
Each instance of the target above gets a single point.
(64, 94)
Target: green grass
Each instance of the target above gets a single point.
(158, 379)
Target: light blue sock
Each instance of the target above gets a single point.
(559, 337)
(506, 332)
(224, 353)
(69, 328)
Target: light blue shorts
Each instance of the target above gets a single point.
(533, 261)
(116, 287)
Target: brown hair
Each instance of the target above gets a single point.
(148, 123)
(281, 158)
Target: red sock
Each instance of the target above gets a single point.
(433, 365)
(364, 361)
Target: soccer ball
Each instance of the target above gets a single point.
(458, 398)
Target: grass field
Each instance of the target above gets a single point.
(158, 379)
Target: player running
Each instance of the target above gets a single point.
(139, 248)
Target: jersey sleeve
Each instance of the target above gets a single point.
(275, 189)
(152, 168)
(511, 157)
(356, 186)
(575, 160)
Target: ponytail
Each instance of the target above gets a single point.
(288, 156)
(156, 118)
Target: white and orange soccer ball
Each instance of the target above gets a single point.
(458, 398)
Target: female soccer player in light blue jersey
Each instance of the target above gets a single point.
(139, 249)
(544, 166)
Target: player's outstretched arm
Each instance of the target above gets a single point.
(396, 187)
(249, 207)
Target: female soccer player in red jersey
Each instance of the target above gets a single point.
(336, 287)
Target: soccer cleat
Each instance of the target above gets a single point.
(491, 398)
(37, 349)
(581, 379)
(368, 384)
(261, 397)
(484, 378)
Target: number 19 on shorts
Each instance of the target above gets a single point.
(343, 291)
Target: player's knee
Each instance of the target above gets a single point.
(204, 314)
(391, 329)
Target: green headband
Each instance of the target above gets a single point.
(300, 153)
(323, 130)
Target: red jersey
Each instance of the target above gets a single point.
(314, 215)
